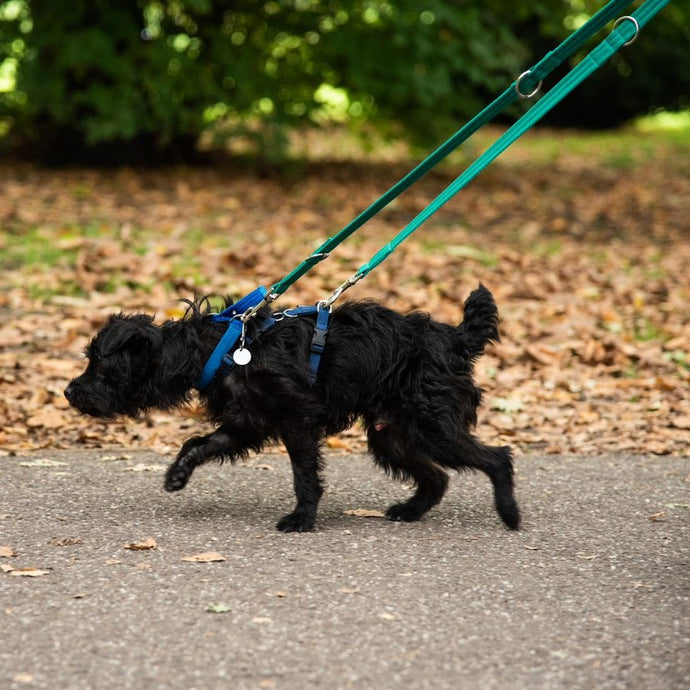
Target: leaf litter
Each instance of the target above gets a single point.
(206, 557)
(588, 264)
(147, 544)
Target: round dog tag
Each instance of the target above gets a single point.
(242, 356)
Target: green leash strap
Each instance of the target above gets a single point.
(521, 87)
(624, 32)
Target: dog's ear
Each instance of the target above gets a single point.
(136, 333)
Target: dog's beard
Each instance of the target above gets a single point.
(97, 400)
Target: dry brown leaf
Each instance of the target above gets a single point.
(43, 462)
(7, 552)
(141, 467)
(48, 418)
(28, 572)
(681, 422)
(338, 443)
(26, 678)
(365, 513)
(146, 545)
(206, 557)
(65, 541)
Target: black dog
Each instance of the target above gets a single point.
(409, 378)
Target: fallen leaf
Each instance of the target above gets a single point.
(337, 443)
(28, 572)
(6, 568)
(43, 462)
(7, 552)
(207, 557)
(109, 458)
(23, 678)
(657, 517)
(506, 404)
(49, 418)
(681, 422)
(146, 545)
(146, 468)
(218, 608)
(65, 541)
(363, 512)
(387, 616)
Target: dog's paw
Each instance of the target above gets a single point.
(510, 514)
(403, 512)
(295, 522)
(176, 478)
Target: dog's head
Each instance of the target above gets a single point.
(122, 361)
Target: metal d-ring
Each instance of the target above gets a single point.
(627, 17)
(537, 88)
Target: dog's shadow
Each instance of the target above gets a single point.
(259, 493)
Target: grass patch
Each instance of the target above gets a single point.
(33, 248)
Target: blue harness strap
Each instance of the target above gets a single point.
(222, 359)
(318, 340)
(229, 315)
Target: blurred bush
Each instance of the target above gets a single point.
(142, 80)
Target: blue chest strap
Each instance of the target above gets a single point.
(230, 315)
(221, 357)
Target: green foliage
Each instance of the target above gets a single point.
(142, 79)
(651, 74)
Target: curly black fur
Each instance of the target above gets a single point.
(409, 378)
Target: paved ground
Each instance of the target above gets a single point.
(593, 592)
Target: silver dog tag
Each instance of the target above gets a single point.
(242, 356)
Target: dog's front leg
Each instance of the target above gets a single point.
(304, 450)
(196, 451)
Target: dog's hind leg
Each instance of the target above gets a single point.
(304, 449)
(200, 449)
(494, 461)
(399, 458)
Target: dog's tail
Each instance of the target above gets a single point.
(480, 323)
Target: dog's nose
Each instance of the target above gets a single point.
(69, 391)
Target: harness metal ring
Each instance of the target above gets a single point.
(627, 17)
(527, 95)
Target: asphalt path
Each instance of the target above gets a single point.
(593, 592)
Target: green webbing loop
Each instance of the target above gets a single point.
(530, 79)
(622, 34)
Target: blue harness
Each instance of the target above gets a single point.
(232, 316)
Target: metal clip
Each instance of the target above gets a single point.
(253, 311)
(352, 280)
(527, 95)
(242, 356)
(627, 17)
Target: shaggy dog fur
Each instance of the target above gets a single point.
(409, 378)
